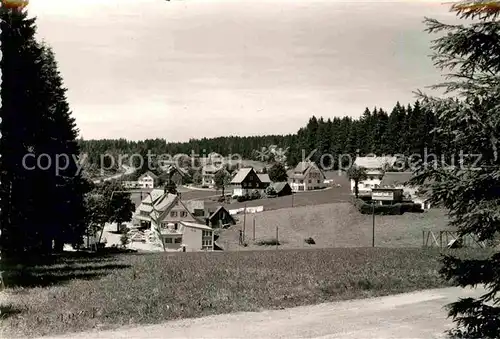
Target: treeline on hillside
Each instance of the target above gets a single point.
(404, 130)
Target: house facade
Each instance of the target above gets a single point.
(176, 228)
(247, 180)
(148, 180)
(176, 174)
(375, 171)
(306, 176)
(130, 184)
(208, 175)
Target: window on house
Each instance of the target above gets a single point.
(371, 178)
(250, 177)
(207, 233)
(178, 240)
(176, 226)
(173, 213)
(309, 180)
(168, 240)
(293, 180)
(302, 181)
(207, 242)
(183, 214)
(318, 181)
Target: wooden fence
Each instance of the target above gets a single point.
(443, 239)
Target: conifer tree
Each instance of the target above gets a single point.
(469, 121)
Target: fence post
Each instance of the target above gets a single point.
(277, 241)
(254, 229)
(423, 238)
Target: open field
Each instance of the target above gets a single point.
(332, 225)
(85, 293)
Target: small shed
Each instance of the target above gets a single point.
(282, 188)
(220, 217)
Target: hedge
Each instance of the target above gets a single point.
(396, 209)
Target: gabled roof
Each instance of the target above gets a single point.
(374, 162)
(241, 175)
(264, 177)
(220, 208)
(155, 194)
(302, 168)
(392, 179)
(174, 168)
(279, 186)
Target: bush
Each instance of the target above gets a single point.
(242, 198)
(255, 195)
(124, 239)
(310, 241)
(270, 191)
(396, 209)
(268, 242)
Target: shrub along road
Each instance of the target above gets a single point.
(410, 315)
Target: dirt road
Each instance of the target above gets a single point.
(411, 315)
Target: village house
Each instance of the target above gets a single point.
(247, 180)
(178, 175)
(306, 176)
(177, 228)
(142, 214)
(375, 167)
(208, 175)
(148, 180)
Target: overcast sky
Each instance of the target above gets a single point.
(192, 68)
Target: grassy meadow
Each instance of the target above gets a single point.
(331, 225)
(87, 293)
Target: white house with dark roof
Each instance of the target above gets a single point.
(306, 176)
(247, 180)
(148, 180)
(172, 224)
(374, 169)
(208, 174)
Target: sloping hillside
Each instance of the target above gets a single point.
(331, 225)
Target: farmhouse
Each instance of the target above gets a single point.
(306, 176)
(177, 174)
(176, 227)
(148, 180)
(142, 216)
(374, 169)
(247, 180)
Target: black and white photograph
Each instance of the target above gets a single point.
(247, 169)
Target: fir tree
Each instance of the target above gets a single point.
(469, 123)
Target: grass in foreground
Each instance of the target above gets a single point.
(143, 289)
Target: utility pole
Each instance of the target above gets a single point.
(373, 224)
(254, 229)
(292, 197)
(244, 221)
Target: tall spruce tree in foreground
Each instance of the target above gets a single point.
(469, 117)
(42, 203)
(20, 73)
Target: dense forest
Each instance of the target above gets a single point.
(404, 130)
